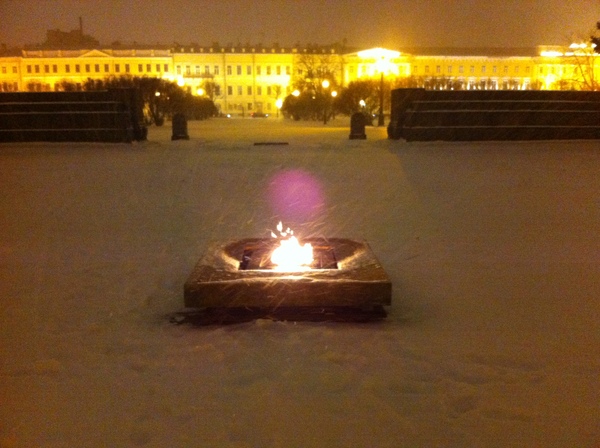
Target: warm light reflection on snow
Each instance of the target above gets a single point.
(290, 255)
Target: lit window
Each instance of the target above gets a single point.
(249, 106)
(239, 90)
(268, 69)
(140, 68)
(77, 68)
(229, 90)
(259, 90)
(3, 69)
(178, 68)
(148, 68)
(207, 70)
(279, 69)
(197, 69)
(248, 69)
(249, 90)
(46, 69)
(67, 68)
(127, 68)
(106, 68)
(37, 68)
(239, 69)
(157, 68)
(216, 69)
(166, 68)
(117, 68)
(288, 70)
(269, 90)
(218, 90)
(97, 68)
(188, 70)
(258, 69)
(229, 70)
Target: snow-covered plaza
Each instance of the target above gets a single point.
(493, 249)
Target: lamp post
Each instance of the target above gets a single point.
(381, 58)
(278, 104)
(325, 85)
(380, 121)
(333, 96)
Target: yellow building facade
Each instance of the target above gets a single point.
(247, 79)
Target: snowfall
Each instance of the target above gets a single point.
(493, 250)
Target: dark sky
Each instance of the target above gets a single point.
(364, 23)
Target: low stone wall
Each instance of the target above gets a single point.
(100, 116)
(422, 115)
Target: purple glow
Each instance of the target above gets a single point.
(295, 196)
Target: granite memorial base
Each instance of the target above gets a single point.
(344, 278)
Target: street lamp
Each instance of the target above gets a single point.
(333, 95)
(380, 118)
(278, 104)
(383, 65)
(325, 84)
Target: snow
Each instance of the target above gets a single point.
(493, 337)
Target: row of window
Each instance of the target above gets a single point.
(97, 68)
(239, 90)
(5, 69)
(461, 69)
(268, 70)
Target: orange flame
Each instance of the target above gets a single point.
(290, 255)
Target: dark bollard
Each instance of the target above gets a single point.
(358, 121)
(180, 131)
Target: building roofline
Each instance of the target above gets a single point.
(471, 51)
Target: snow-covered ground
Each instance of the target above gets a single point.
(493, 338)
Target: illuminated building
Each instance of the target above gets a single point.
(244, 79)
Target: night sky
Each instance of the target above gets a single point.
(364, 23)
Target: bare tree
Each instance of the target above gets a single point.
(313, 67)
(584, 73)
(581, 63)
(212, 90)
